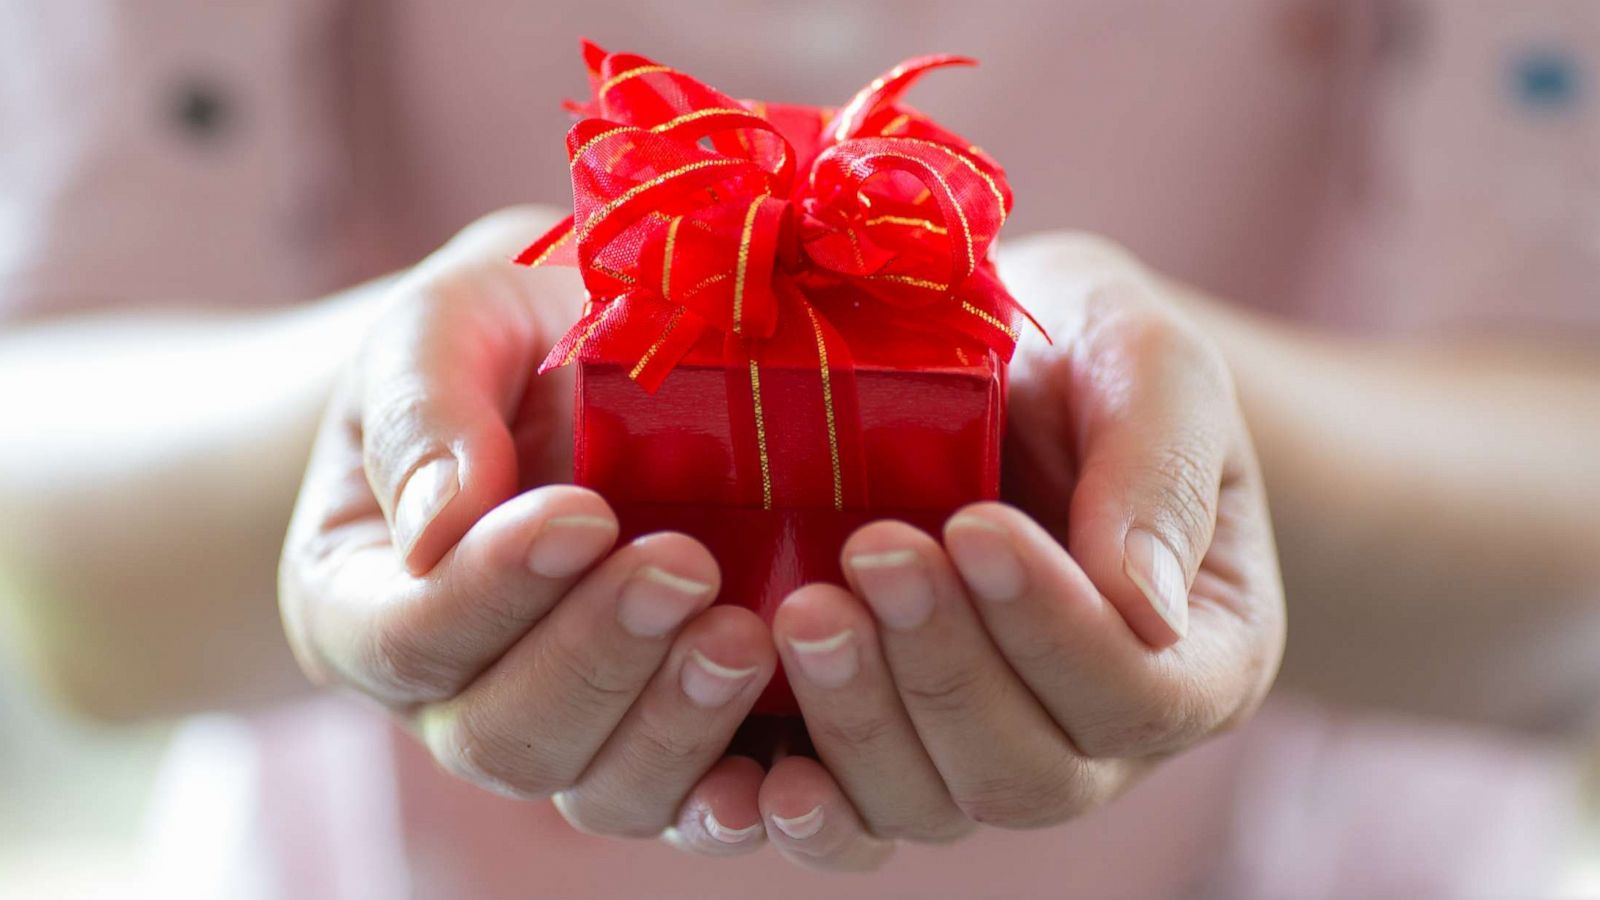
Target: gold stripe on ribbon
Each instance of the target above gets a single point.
(666, 262)
(587, 333)
(623, 277)
(706, 282)
(650, 353)
(1010, 332)
(701, 114)
(914, 281)
(588, 145)
(691, 116)
(550, 249)
(910, 222)
(761, 437)
(855, 248)
(895, 124)
(827, 408)
(611, 207)
(744, 261)
(999, 198)
(625, 76)
(961, 215)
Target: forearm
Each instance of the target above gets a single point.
(1438, 515)
(146, 478)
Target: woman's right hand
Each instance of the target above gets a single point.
(436, 565)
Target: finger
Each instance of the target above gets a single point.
(439, 376)
(406, 639)
(722, 816)
(438, 380)
(812, 823)
(1157, 415)
(1113, 694)
(1004, 759)
(856, 720)
(680, 726)
(530, 725)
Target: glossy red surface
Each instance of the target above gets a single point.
(681, 459)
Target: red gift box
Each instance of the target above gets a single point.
(793, 327)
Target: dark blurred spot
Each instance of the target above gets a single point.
(202, 110)
(1402, 29)
(1310, 31)
(1546, 79)
(767, 739)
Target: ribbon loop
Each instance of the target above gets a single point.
(694, 214)
(864, 113)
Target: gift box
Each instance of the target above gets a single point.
(793, 325)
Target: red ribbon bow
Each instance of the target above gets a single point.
(696, 214)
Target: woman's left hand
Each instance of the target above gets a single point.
(1123, 605)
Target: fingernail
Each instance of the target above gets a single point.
(711, 684)
(1155, 570)
(829, 662)
(424, 495)
(800, 827)
(896, 586)
(729, 835)
(567, 545)
(986, 557)
(655, 602)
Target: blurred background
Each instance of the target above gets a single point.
(72, 800)
(184, 183)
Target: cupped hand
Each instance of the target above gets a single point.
(435, 564)
(1123, 604)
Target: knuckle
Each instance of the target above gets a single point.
(1037, 650)
(490, 600)
(1231, 721)
(1176, 488)
(850, 733)
(1155, 726)
(1123, 321)
(659, 751)
(1190, 483)
(589, 675)
(399, 667)
(1150, 335)
(1151, 332)
(389, 424)
(1033, 799)
(952, 690)
(1204, 712)
(491, 758)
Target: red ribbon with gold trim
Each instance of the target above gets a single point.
(697, 216)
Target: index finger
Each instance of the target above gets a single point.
(354, 614)
(1113, 694)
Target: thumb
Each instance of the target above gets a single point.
(439, 380)
(436, 447)
(1155, 426)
